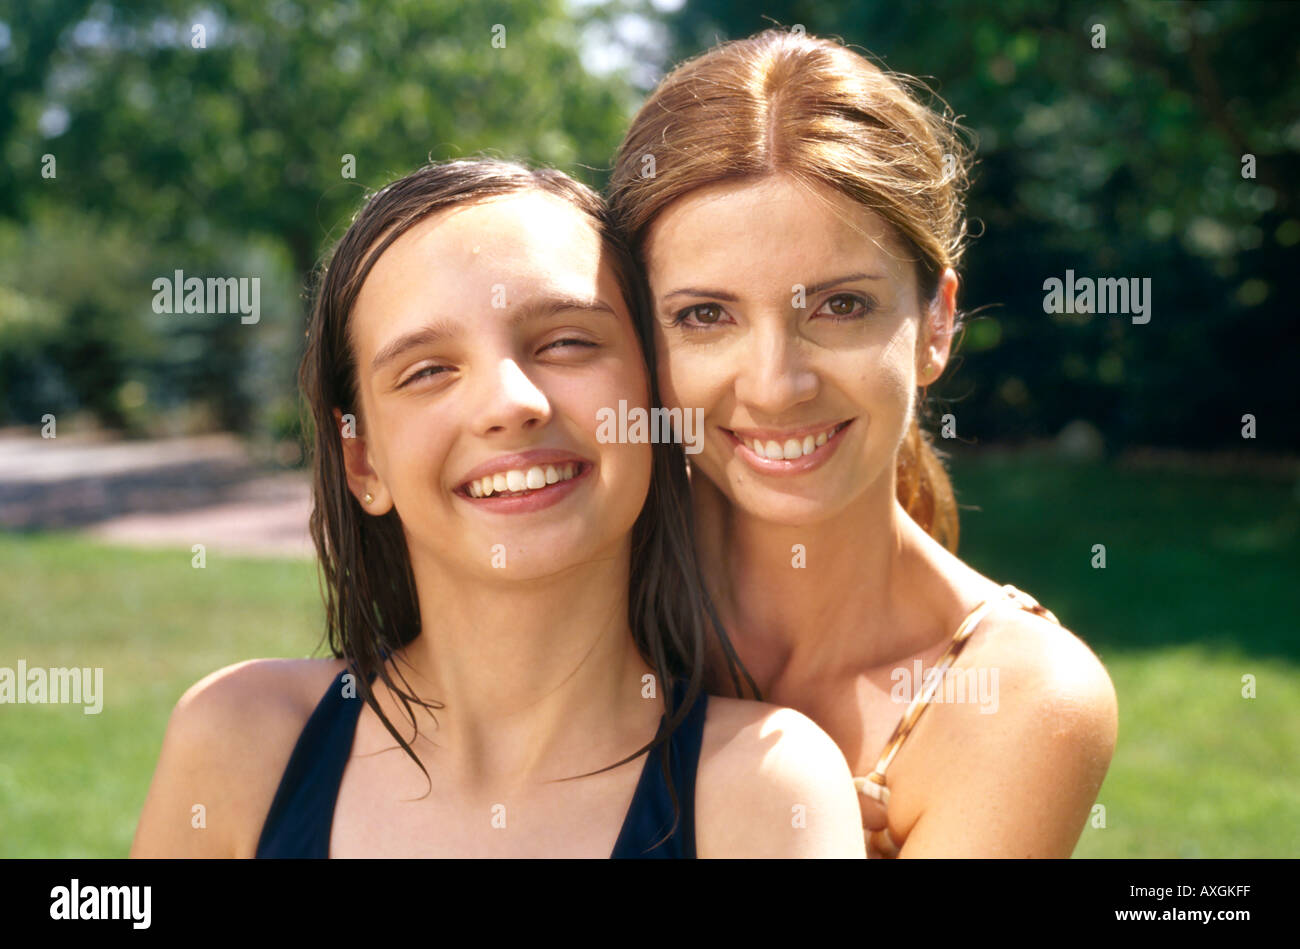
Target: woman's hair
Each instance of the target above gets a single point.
(367, 582)
(787, 103)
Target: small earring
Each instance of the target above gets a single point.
(369, 498)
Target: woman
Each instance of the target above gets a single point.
(529, 582)
(799, 218)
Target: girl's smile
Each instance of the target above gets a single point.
(520, 483)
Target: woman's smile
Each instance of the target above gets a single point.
(790, 451)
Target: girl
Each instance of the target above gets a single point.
(799, 217)
(530, 583)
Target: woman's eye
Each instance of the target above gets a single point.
(845, 306)
(704, 314)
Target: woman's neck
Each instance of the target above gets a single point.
(853, 591)
(540, 678)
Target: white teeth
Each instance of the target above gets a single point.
(518, 480)
(791, 448)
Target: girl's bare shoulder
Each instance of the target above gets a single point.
(228, 740)
(256, 688)
(771, 782)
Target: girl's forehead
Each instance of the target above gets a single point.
(509, 239)
(530, 223)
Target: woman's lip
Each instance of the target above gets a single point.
(794, 466)
(533, 500)
(780, 435)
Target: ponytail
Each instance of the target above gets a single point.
(924, 488)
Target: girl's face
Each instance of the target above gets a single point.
(790, 315)
(487, 338)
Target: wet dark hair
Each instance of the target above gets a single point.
(371, 607)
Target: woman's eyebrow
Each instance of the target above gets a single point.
(731, 297)
(847, 278)
(700, 292)
(444, 329)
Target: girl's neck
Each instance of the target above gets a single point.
(540, 678)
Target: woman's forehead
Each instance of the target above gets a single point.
(768, 223)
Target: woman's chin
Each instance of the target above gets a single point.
(784, 508)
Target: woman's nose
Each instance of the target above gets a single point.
(774, 376)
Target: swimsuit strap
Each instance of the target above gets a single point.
(873, 785)
(298, 823)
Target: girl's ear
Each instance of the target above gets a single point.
(363, 481)
(936, 335)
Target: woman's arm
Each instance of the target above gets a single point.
(1020, 781)
(771, 783)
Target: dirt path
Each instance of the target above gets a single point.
(179, 492)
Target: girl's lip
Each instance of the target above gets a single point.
(804, 463)
(534, 500)
(521, 461)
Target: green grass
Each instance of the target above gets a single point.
(72, 784)
(1199, 589)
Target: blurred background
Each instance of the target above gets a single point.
(238, 138)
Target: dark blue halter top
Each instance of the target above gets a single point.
(298, 824)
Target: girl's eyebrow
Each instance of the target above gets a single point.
(731, 297)
(444, 329)
(426, 335)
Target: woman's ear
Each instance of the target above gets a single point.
(363, 481)
(936, 335)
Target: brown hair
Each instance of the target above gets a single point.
(367, 582)
(788, 103)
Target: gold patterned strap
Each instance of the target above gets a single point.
(873, 785)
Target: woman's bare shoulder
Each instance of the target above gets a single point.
(1037, 661)
(772, 783)
(227, 742)
(1017, 743)
(1042, 661)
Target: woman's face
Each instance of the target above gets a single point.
(790, 315)
(487, 338)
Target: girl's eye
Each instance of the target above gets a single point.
(845, 306)
(705, 314)
(426, 371)
(569, 342)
